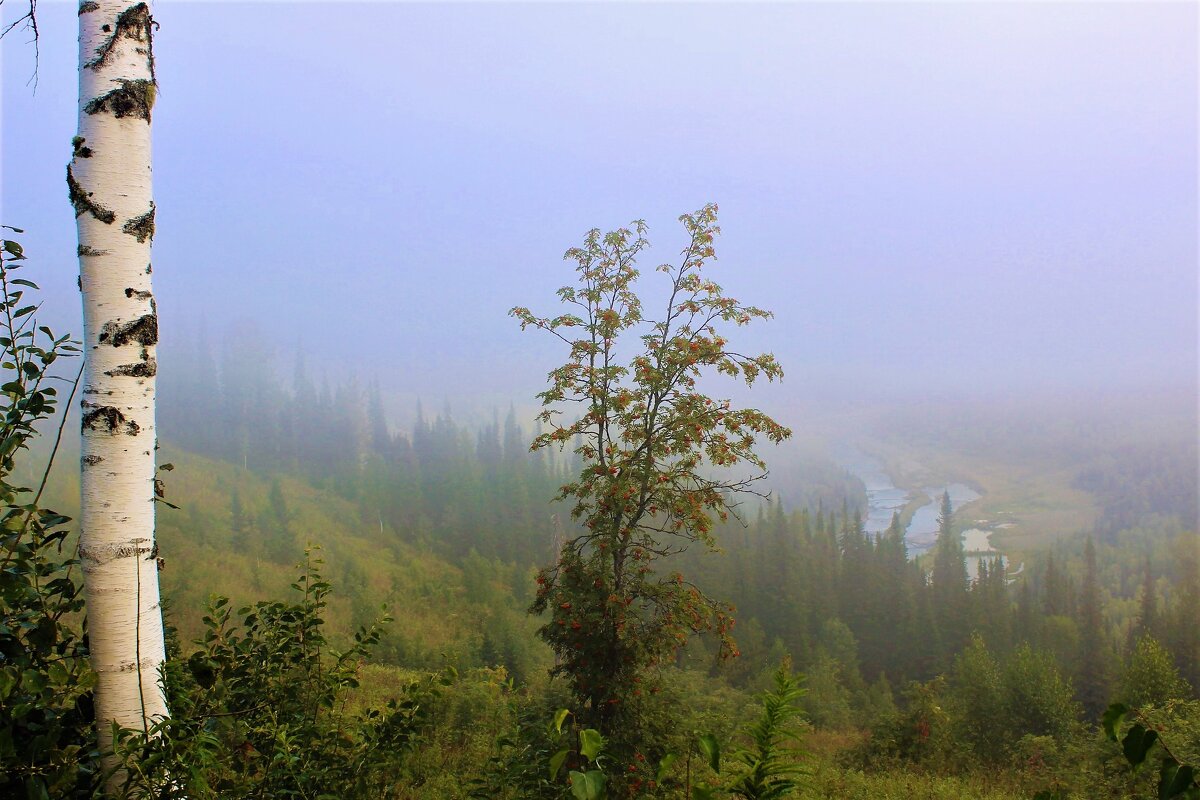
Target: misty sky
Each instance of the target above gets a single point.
(997, 197)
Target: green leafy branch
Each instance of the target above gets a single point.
(1176, 780)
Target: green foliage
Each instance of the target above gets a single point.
(589, 781)
(827, 703)
(978, 696)
(1150, 678)
(769, 766)
(46, 740)
(546, 761)
(1039, 699)
(900, 783)
(1177, 780)
(259, 711)
(922, 734)
(653, 453)
(766, 766)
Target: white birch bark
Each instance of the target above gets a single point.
(110, 187)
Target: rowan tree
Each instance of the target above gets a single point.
(660, 463)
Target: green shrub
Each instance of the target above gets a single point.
(259, 711)
(47, 745)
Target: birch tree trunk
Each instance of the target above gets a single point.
(109, 185)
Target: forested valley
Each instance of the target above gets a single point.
(918, 678)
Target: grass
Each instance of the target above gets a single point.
(830, 781)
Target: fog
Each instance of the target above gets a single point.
(935, 200)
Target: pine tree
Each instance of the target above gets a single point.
(1092, 669)
(1146, 623)
(515, 447)
(379, 436)
(1027, 628)
(1055, 591)
(951, 603)
(991, 604)
(1185, 613)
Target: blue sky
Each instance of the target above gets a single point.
(995, 198)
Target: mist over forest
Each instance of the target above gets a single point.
(556, 401)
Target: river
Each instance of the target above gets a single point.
(885, 498)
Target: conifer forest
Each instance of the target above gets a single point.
(850, 450)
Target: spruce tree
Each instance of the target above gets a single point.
(1092, 673)
(1185, 613)
(1146, 623)
(1055, 591)
(951, 604)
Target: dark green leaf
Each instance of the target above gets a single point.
(1174, 779)
(1137, 744)
(35, 788)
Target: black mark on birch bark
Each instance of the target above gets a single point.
(84, 250)
(142, 369)
(78, 148)
(133, 98)
(141, 227)
(109, 420)
(82, 200)
(132, 23)
(103, 554)
(140, 295)
(88, 7)
(92, 460)
(143, 330)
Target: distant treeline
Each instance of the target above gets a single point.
(854, 610)
(1136, 483)
(851, 608)
(441, 484)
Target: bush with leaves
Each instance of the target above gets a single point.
(259, 711)
(1150, 676)
(768, 768)
(47, 745)
(978, 704)
(1039, 700)
(1142, 737)
(545, 758)
(921, 733)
